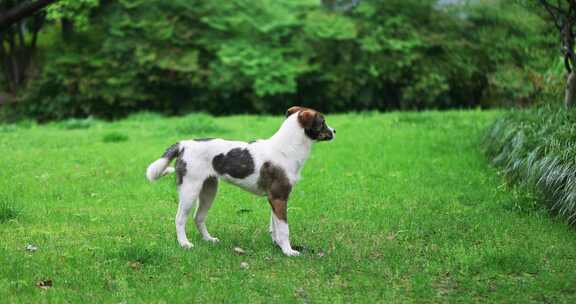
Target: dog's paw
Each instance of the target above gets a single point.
(291, 252)
(186, 244)
(211, 239)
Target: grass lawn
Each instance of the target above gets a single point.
(401, 207)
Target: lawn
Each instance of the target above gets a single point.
(401, 207)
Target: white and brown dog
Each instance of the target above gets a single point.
(268, 167)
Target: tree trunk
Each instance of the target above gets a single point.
(67, 29)
(570, 95)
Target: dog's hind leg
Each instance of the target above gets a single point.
(207, 194)
(188, 196)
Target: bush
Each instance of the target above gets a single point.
(75, 123)
(8, 210)
(537, 148)
(114, 137)
(198, 124)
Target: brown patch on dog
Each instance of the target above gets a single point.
(295, 109)
(279, 208)
(275, 183)
(306, 116)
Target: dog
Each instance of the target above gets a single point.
(268, 167)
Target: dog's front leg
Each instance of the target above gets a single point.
(272, 229)
(280, 231)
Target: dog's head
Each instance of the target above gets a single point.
(313, 123)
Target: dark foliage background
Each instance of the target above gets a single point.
(110, 58)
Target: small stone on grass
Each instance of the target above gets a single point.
(239, 251)
(134, 265)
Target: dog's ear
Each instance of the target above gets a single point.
(293, 110)
(306, 118)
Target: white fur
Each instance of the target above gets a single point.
(288, 148)
(156, 169)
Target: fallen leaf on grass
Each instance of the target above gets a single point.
(239, 251)
(44, 284)
(301, 293)
(31, 248)
(135, 265)
(391, 236)
(244, 265)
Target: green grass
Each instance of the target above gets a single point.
(401, 207)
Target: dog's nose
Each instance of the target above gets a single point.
(334, 131)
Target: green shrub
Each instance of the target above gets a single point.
(198, 124)
(537, 148)
(143, 116)
(8, 128)
(76, 123)
(8, 210)
(114, 137)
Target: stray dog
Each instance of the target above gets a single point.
(268, 167)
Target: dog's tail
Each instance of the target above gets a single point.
(160, 167)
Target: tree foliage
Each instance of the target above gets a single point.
(242, 56)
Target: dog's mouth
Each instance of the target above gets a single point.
(328, 135)
(325, 137)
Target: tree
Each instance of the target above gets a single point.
(17, 21)
(20, 24)
(245, 56)
(563, 13)
(10, 13)
(16, 51)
